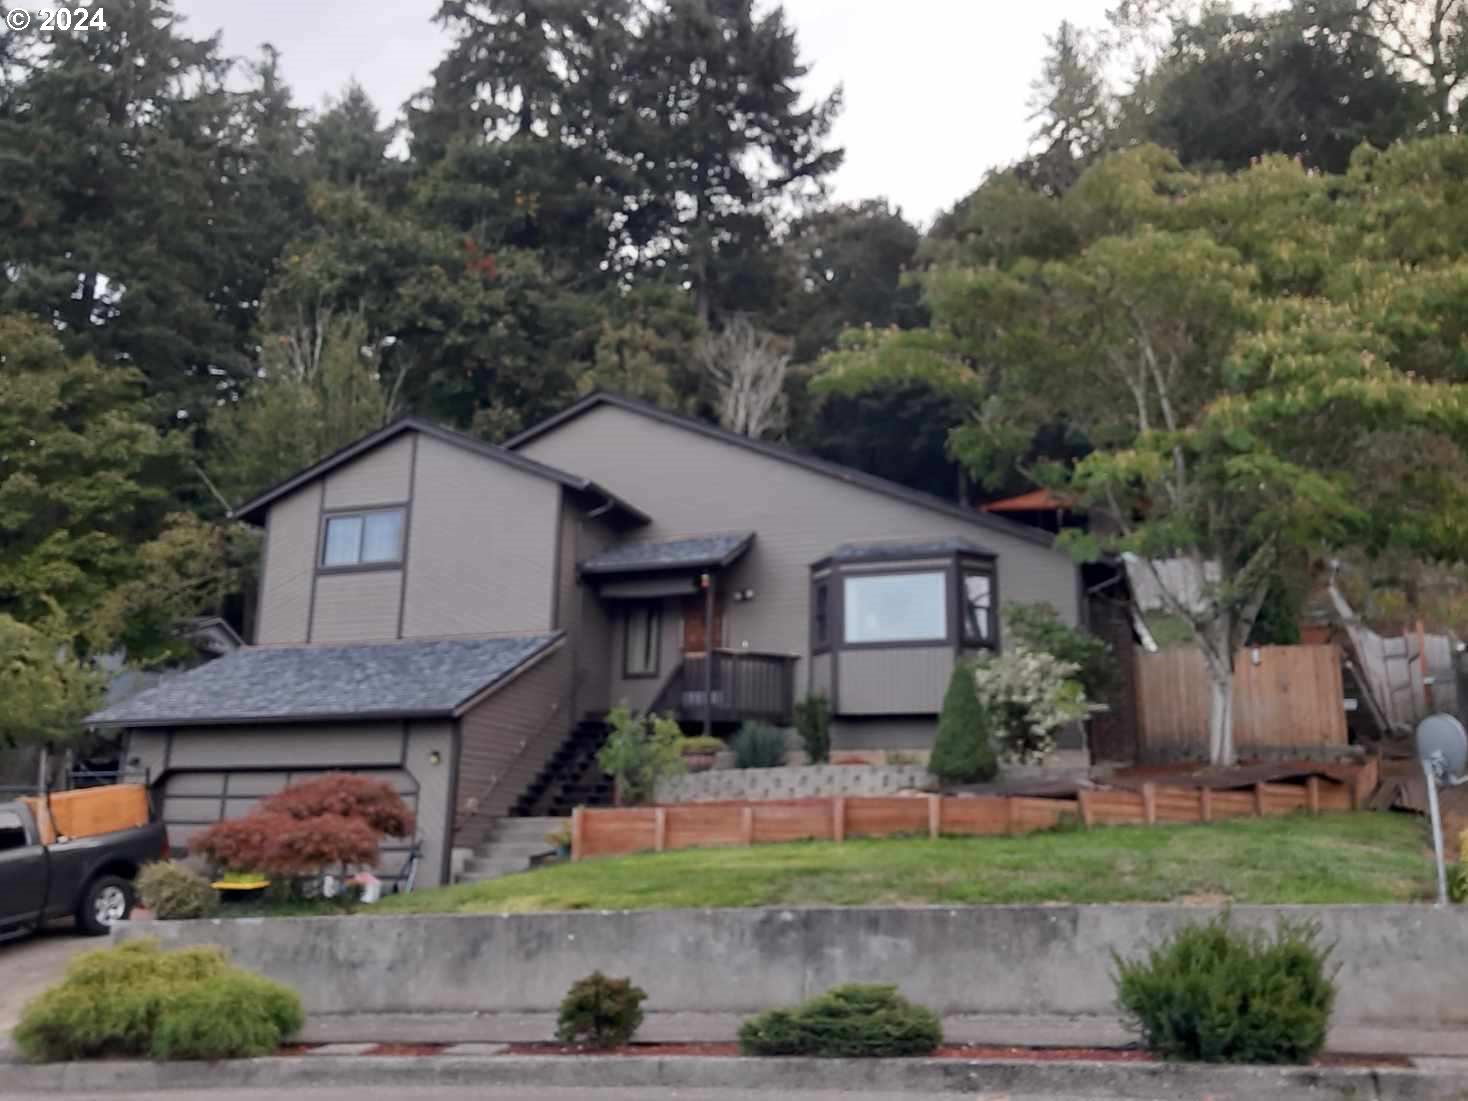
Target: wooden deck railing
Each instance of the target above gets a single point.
(740, 685)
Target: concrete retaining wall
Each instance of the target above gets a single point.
(1397, 962)
(792, 783)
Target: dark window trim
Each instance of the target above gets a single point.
(329, 514)
(952, 566)
(822, 584)
(944, 569)
(654, 610)
(988, 570)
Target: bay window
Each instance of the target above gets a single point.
(895, 607)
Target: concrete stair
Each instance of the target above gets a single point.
(510, 846)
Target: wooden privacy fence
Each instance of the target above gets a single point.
(1284, 697)
(614, 831)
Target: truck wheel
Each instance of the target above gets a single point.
(107, 900)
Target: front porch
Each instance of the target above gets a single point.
(668, 605)
(728, 687)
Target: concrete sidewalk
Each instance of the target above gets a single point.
(998, 1031)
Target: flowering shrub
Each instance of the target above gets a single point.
(1028, 696)
(336, 820)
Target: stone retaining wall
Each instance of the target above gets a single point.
(721, 785)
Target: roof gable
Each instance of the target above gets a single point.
(253, 511)
(850, 476)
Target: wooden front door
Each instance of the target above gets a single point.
(695, 640)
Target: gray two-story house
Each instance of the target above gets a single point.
(457, 617)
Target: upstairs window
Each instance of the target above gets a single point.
(895, 607)
(363, 539)
(980, 628)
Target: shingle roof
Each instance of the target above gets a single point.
(893, 549)
(254, 510)
(671, 554)
(293, 683)
(992, 521)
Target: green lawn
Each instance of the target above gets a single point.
(1333, 858)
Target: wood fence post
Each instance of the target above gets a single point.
(1149, 804)
(746, 824)
(1011, 815)
(1259, 800)
(660, 829)
(1083, 801)
(578, 834)
(1205, 804)
(838, 818)
(935, 816)
(1312, 794)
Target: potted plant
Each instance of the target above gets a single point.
(700, 753)
(561, 839)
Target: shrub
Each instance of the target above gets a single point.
(137, 1000)
(849, 1022)
(175, 892)
(334, 821)
(963, 752)
(1214, 994)
(1038, 627)
(1028, 695)
(640, 751)
(759, 745)
(601, 1012)
(813, 723)
(703, 743)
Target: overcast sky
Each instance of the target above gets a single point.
(936, 90)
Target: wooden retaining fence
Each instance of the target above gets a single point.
(608, 831)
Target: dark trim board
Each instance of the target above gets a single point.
(783, 454)
(252, 510)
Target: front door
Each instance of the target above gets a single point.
(695, 636)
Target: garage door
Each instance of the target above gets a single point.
(191, 800)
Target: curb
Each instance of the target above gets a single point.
(1019, 1078)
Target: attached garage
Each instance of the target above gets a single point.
(216, 740)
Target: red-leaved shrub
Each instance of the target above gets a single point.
(334, 821)
(341, 793)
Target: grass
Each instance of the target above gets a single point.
(1331, 859)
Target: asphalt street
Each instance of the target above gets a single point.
(460, 1093)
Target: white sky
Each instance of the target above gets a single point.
(936, 90)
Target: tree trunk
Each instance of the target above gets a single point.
(1220, 715)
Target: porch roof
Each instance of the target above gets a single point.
(690, 553)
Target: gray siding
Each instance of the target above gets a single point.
(882, 733)
(638, 693)
(290, 564)
(904, 681)
(207, 773)
(693, 485)
(357, 607)
(380, 477)
(482, 543)
(820, 675)
(584, 618)
(504, 742)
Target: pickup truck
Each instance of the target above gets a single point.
(89, 878)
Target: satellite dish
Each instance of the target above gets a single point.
(1442, 741)
(1442, 750)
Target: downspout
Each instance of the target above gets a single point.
(708, 654)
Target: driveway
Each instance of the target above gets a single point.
(29, 965)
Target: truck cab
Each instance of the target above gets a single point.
(89, 878)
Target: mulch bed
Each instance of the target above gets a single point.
(407, 1049)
